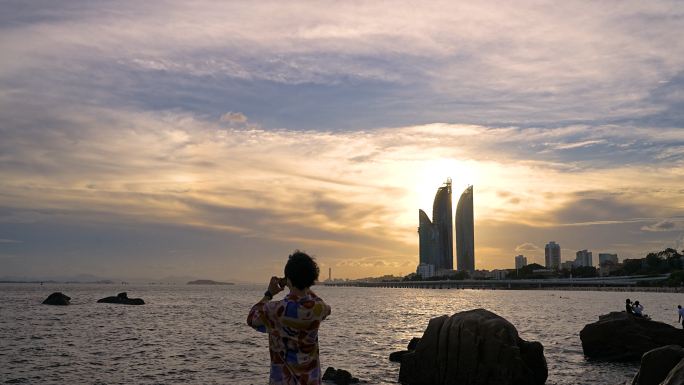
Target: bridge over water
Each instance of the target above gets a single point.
(505, 284)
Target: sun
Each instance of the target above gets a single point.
(435, 173)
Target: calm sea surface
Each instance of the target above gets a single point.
(197, 334)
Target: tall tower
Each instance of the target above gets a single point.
(330, 273)
(428, 239)
(441, 217)
(552, 254)
(465, 232)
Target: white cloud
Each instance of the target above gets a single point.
(527, 247)
(233, 117)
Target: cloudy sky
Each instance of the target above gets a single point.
(213, 138)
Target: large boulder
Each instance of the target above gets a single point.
(57, 299)
(657, 364)
(123, 299)
(676, 376)
(619, 336)
(475, 347)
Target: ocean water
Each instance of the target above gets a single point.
(198, 334)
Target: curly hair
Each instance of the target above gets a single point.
(302, 270)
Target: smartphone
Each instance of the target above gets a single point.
(283, 282)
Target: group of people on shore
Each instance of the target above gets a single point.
(635, 309)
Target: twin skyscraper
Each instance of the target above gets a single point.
(436, 237)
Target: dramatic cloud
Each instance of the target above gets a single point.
(116, 147)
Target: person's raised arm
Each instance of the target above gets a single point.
(258, 317)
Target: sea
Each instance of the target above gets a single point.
(198, 334)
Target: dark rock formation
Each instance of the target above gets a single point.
(619, 336)
(123, 299)
(475, 347)
(676, 376)
(396, 356)
(57, 299)
(414, 342)
(340, 377)
(657, 364)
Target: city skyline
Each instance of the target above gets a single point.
(213, 139)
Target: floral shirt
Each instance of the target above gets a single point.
(292, 324)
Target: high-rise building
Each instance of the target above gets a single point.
(465, 232)
(604, 257)
(428, 239)
(520, 261)
(330, 273)
(584, 258)
(441, 217)
(552, 254)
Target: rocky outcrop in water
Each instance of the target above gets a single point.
(396, 356)
(57, 299)
(122, 298)
(475, 347)
(619, 336)
(339, 377)
(657, 364)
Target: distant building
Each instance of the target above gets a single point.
(584, 258)
(520, 261)
(330, 273)
(465, 232)
(499, 274)
(425, 270)
(445, 272)
(436, 237)
(544, 271)
(604, 257)
(481, 273)
(428, 240)
(552, 254)
(571, 265)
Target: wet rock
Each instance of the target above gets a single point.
(123, 299)
(339, 377)
(619, 336)
(473, 347)
(657, 364)
(57, 299)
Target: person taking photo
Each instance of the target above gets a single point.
(292, 323)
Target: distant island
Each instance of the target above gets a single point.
(208, 282)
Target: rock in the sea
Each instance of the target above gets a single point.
(340, 377)
(472, 348)
(619, 336)
(396, 356)
(123, 299)
(657, 364)
(57, 299)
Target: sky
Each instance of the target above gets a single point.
(212, 139)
